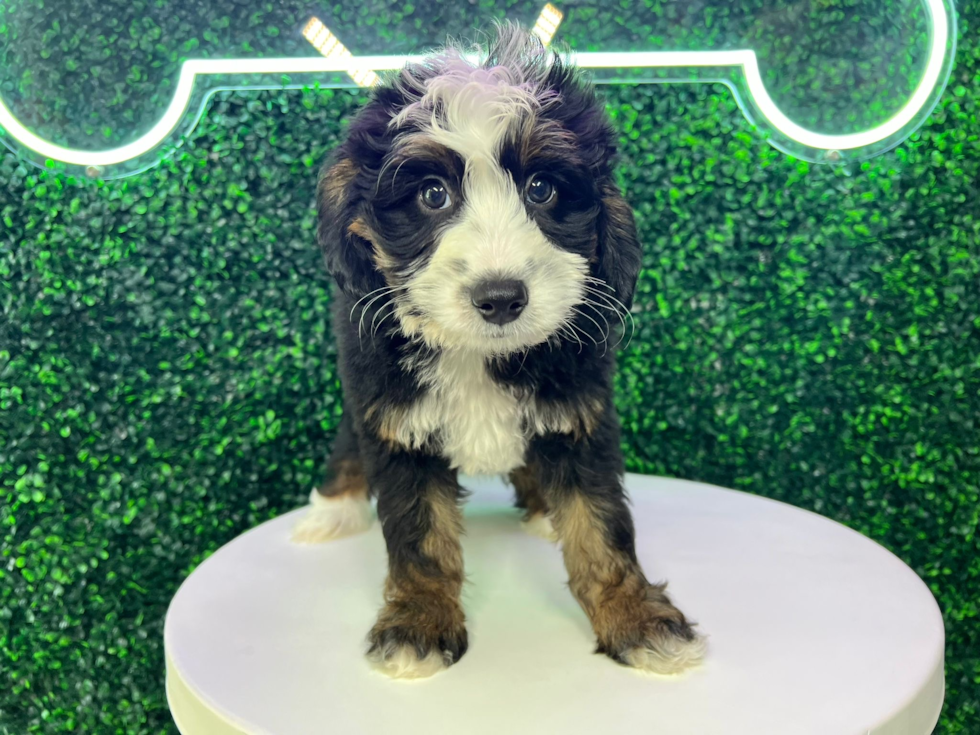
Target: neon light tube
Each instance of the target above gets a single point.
(744, 59)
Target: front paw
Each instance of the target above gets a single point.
(652, 636)
(416, 642)
(665, 649)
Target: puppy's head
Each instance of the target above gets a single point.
(475, 197)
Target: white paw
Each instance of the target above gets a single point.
(540, 525)
(401, 662)
(332, 518)
(671, 655)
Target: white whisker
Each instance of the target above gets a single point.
(377, 313)
(365, 296)
(526, 353)
(384, 292)
(567, 333)
(621, 308)
(604, 334)
(592, 305)
(386, 316)
(610, 296)
(613, 309)
(578, 330)
(598, 282)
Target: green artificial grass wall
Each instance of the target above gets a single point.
(167, 378)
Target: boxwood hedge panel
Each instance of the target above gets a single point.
(167, 378)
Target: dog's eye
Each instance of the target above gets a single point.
(540, 190)
(435, 195)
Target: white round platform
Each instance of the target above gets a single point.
(813, 630)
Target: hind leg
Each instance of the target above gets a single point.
(340, 506)
(530, 499)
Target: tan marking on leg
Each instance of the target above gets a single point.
(595, 571)
(422, 609)
(441, 543)
(634, 621)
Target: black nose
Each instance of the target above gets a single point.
(499, 302)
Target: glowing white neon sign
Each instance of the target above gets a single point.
(547, 24)
(743, 59)
(324, 41)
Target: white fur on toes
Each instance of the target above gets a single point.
(671, 656)
(403, 663)
(332, 518)
(540, 525)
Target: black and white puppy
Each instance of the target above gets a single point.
(481, 249)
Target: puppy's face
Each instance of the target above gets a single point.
(480, 199)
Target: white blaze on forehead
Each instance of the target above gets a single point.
(470, 110)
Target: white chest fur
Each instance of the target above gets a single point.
(478, 424)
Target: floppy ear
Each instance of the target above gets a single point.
(345, 239)
(619, 250)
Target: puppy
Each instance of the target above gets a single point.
(480, 249)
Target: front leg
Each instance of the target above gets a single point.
(634, 621)
(421, 628)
